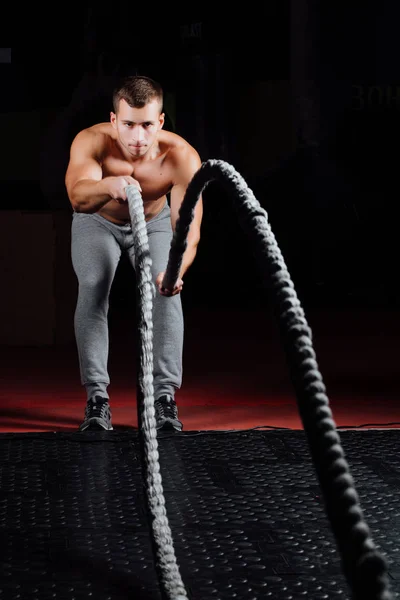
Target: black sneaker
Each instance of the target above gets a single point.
(167, 414)
(97, 415)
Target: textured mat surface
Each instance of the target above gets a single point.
(244, 508)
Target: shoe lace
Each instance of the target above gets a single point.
(167, 408)
(98, 408)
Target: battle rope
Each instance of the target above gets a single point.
(166, 565)
(364, 567)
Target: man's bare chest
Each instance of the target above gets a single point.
(155, 177)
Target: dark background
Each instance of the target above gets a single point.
(302, 99)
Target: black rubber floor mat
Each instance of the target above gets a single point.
(245, 511)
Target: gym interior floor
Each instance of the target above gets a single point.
(243, 500)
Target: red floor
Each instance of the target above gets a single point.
(235, 374)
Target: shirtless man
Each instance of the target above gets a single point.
(131, 149)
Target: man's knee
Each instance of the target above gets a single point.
(93, 286)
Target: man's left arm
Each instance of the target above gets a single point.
(189, 165)
(186, 173)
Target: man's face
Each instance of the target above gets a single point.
(137, 127)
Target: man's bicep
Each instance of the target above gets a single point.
(189, 164)
(82, 165)
(87, 168)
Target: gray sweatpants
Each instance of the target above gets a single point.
(96, 247)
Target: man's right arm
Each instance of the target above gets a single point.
(87, 190)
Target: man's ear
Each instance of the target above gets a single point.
(161, 120)
(113, 119)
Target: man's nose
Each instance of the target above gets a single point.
(138, 134)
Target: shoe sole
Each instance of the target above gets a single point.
(168, 427)
(94, 425)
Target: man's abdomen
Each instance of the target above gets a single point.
(119, 213)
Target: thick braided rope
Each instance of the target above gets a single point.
(363, 566)
(165, 560)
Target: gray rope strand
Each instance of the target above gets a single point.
(167, 568)
(363, 566)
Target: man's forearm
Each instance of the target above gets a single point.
(89, 196)
(188, 258)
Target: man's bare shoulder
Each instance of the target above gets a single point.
(93, 141)
(178, 148)
(96, 135)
